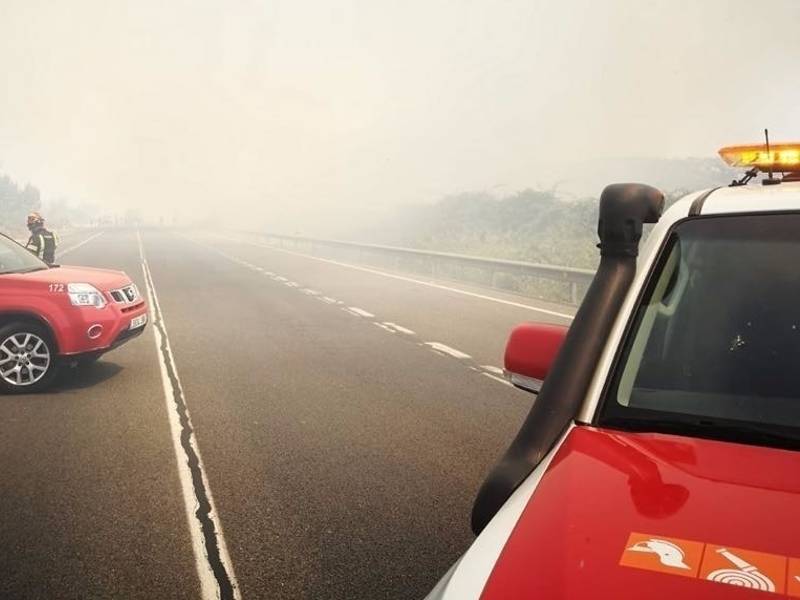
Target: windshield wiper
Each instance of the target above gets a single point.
(731, 431)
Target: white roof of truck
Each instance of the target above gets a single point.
(754, 197)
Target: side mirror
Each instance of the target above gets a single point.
(530, 352)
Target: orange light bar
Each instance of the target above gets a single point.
(781, 157)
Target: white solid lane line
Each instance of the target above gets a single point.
(445, 349)
(213, 564)
(437, 286)
(79, 244)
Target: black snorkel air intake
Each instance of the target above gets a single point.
(624, 207)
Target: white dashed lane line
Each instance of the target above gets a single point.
(493, 373)
(498, 379)
(359, 312)
(445, 349)
(398, 328)
(430, 284)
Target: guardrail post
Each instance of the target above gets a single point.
(573, 292)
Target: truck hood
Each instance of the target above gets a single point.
(102, 279)
(635, 515)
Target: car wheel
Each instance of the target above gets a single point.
(28, 360)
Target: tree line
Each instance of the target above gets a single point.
(16, 202)
(533, 225)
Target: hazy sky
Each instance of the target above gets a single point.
(301, 114)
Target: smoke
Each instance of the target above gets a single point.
(315, 116)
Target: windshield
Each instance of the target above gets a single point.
(16, 259)
(715, 344)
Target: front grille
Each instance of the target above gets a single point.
(127, 295)
(128, 309)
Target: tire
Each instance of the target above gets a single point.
(28, 358)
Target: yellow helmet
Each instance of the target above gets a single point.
(35, 218)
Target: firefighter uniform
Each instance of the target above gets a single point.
(43, 244)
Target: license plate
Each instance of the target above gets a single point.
(138, 321)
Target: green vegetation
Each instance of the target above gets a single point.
(529, 225)
(555, 226)
(542, 226)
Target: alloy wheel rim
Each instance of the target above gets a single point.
(24, 359)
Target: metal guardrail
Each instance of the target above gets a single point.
(496, 273)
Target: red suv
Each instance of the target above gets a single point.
(52, 315)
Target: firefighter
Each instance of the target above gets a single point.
(42, 242)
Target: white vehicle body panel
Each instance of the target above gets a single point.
(754, 198)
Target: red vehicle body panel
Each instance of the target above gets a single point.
(532, 348)
(604, 485)
(43, 294)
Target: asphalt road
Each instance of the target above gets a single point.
(345, 421)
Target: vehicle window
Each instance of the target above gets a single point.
(718, 333)
(14, 258)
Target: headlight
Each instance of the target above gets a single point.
(85, 294)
